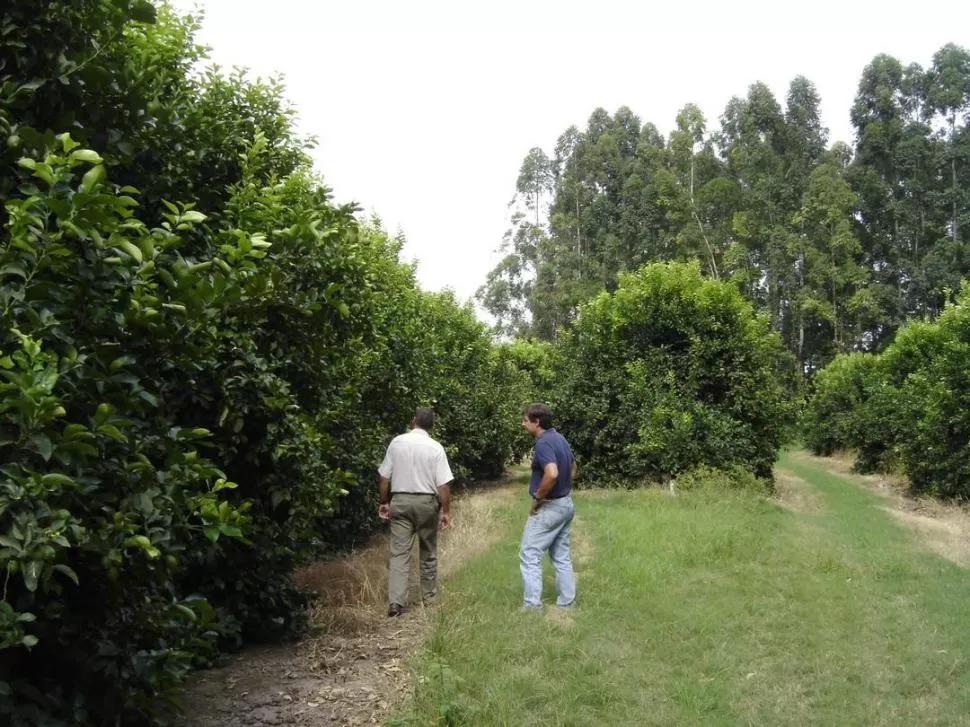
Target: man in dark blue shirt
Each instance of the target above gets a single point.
(551, 515)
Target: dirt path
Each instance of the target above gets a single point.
(327, 680)
(940, 526)
(354, 666)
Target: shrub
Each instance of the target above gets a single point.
(931, 404)
(670, 372)
(904, 407)
(833, 418)
(735, 479)
(104, 495)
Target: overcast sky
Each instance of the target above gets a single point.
(424, 110)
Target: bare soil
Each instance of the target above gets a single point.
(325, 680)
(354, 665)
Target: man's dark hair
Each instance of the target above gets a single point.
(539, 413)
(424, 417)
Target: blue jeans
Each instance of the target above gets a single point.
(548, 530)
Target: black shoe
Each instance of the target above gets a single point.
(395, 609)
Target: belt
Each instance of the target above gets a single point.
(419, 494)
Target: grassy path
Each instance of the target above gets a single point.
(710, 609)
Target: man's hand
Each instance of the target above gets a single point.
(535, 507)
(383, 497)
(444, 520)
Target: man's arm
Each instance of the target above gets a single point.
(384, 497)
(384, 474)
(572, 471)
(550, 473)
(445, 477)
(444, 497)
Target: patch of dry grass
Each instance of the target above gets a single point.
(794, 493)
(943, 528)
(561, 617)
(474, 527)
(581, 546)
(351, 592)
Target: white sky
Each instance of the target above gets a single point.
(425, 109)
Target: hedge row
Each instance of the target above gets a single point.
(201, 359)
(905, 409)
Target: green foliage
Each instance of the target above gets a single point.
(931, 406)
(670, 372)
(105, 494)
(481, 432)
(537, 359)
(832, 419)
(718, 481)
(904, 407)
(193, 395)
(120, 76)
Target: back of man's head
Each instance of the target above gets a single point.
(424, 418)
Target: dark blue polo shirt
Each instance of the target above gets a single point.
(551, 446)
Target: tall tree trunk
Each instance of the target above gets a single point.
(579, 243)
(801, 314)
(953, 167)
(693, 209)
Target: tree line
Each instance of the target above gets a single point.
(837, 244)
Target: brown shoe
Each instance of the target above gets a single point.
(395, 609)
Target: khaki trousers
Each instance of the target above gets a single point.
(413, 515)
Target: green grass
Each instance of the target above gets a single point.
(709, 609)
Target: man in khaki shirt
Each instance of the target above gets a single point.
(414, 481)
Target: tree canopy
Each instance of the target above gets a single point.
(837, 244)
